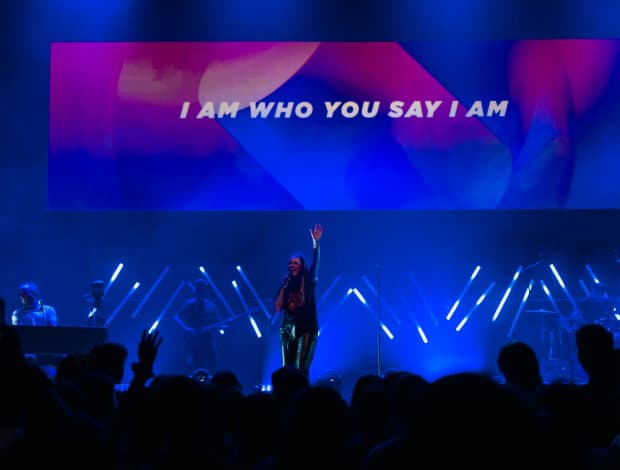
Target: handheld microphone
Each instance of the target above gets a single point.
(287, 280)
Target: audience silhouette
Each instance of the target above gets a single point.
(80, 417)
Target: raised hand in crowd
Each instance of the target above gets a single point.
(147, 353)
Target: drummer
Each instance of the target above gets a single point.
(597, 307)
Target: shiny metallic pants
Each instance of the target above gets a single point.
(297, 351)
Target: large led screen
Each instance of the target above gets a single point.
(244, 126)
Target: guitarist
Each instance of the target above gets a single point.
(196, 317)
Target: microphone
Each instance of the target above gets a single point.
(286, 281)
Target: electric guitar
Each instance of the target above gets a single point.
(197, 334)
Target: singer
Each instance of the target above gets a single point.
(296, 301)
(32, 310)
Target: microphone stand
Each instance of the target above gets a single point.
(378, 324)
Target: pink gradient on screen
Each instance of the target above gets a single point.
(246, 72)
(589, 63)
(83, 79)
(552, 80)
(100, 89)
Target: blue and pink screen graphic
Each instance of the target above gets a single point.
(243, 126)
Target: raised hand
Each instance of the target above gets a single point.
(147, 352)
(149, 346)
(316, 232)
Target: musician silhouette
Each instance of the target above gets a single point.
(597, 307)
(96, 315)
(197, 317)
(32, 310)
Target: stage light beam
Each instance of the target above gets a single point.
(549, 296)
(342, 300)
(217, 291)
(427, 306)
(387, 331)
(172, 298)
(255, 327)
(359, 295)
(253, 291)
(557, 276)
(520, 309)
(382, 300)
(458, 300)
(122, 303)
(246, 308)
(150, 292)
(484, 295)
(413, 317)
(362, 300)
(592, 275)
(329, 289)
(563, 285)
(507, 293)
(422, 334)
(117, 271)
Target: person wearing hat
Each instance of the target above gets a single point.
(32, 311)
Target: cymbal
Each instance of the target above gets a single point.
(543, 311)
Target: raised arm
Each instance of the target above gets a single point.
(316, 233)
